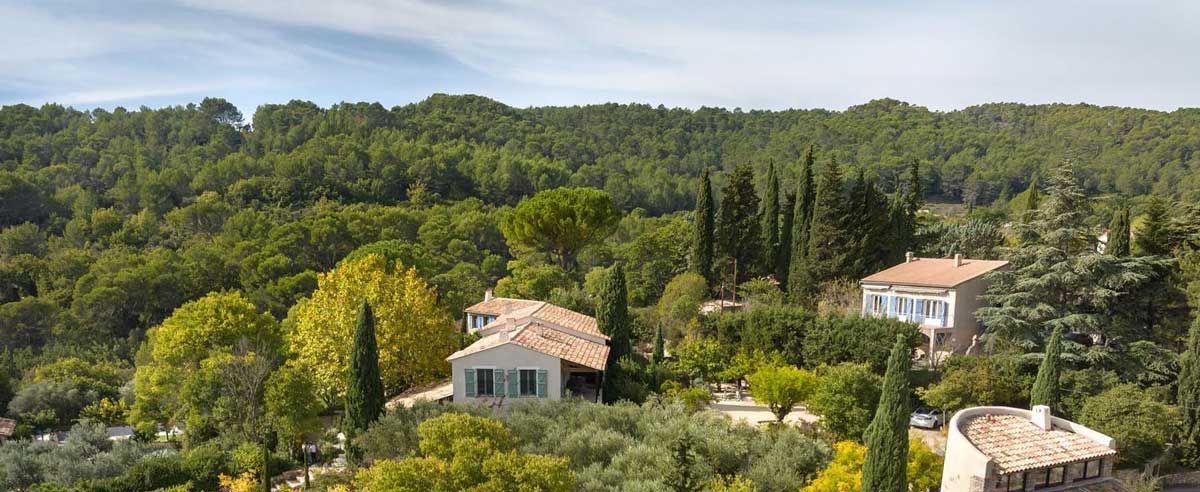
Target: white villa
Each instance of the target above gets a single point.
(939, 294)
(528, 349)
(1002, 449)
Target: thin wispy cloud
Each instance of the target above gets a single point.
(762, 55)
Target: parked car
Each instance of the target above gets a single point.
(926, 418)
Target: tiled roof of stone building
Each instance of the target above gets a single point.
(519, 309)
(1015, 443)
(934, 272)
(544, 340)
(497, 306)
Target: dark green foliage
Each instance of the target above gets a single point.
(1046, 387)
(770, 221)
(701, 258)
(612, 318)
(828, 256)
(1188, 397)
(150, 473)
(657, 355)
(783, 252)
(802, 219)
(1057, 280)
(364, 389)
(979, 239)
(870, 230)
(1135, 417)
(203, 464)
(1118, 233)
(886, 439)
(738, 237)
(1154, 235)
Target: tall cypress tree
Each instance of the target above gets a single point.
(1045, 388)
(802, 209)
(1118, 233)
(868, 219)
(1032, 200)
(912, 193)
(1188, 397)
(783, 253)
(702, 239)
(612, 317)
(660, 350)
(886, 466)
(364, 390)
(738, 229)
(770, 221)
(828, 237)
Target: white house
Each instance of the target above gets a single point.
(1002, 449)
(528, 349)
(939, 294)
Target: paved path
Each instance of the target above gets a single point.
(746, 410)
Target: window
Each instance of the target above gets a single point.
(932, 309)
(1050, 477)
(528, 382)
(1089, 469)
(485, 382)
(902, 305)
(877, 304)
(1015, 481)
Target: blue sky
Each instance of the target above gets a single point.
(753, 55)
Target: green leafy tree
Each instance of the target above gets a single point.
(845, 397)
(781, 387)
(364, 387)
(972, 381)
(1136, 418)
(1046, 387)
(699, 358)
(1118, 233)
(738, 232)
(1188, 396)
(701, 259)
(561, 222)
(886, 438)
(770, 220)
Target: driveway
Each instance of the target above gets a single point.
(746, 410)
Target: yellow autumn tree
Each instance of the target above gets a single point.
(415, 335)
(844, 473)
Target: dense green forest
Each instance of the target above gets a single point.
(134, 243)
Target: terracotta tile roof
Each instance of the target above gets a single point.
(934, 272)
(497, 306)
(549, 313)
(1014, 443)
(564, 346)
(546, 340)
(6, 427)
(1110, 485)
(435, 391)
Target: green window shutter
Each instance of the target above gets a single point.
(470, 373)
(514, 384)
(498, 378)
(543, 379)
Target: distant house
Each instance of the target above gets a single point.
(1002, 449)
(119, 433)
(6, 428)
(940, 295)
(528, 349)
(720, 306)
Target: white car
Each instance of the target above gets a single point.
(926, 418)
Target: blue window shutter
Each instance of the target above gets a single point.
(470, 385)
(514, 384)
(498, 378)
(543, 380)
(919, 309)
(891, 305)
(945, 311)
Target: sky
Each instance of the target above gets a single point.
(944, 55)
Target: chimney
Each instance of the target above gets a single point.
(1041, 417)
(908, 257)
(957, 260)
(487, 294)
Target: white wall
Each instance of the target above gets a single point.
(507, 356)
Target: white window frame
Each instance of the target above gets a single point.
(932, 308)
(904, 305)
(491, 381)
(878, 304)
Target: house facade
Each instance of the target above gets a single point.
(940, 295)
(528, 349)
(1002, 449)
